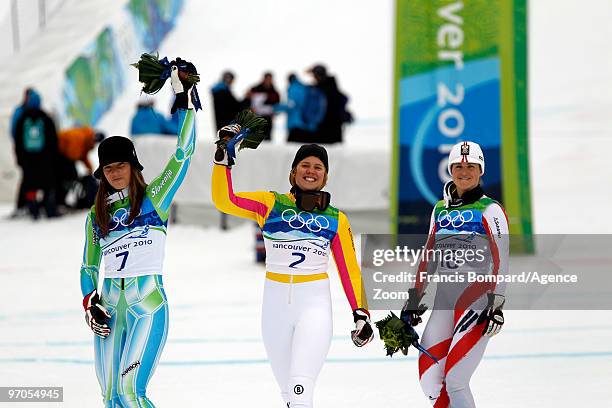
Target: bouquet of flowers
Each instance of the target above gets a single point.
(399, 335)
(251, 126)
(245, 131)
(153, 72)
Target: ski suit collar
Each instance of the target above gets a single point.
(118, 195)
(452, 199)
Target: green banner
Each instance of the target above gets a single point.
(515, 144)
(96, 78)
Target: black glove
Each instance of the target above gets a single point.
(413, 309)
(228, 144)
(493, 315)
(96, 316)
(363, 333)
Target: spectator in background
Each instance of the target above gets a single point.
(147, 120)
(263, 97)
(305, 109)
(74, 145)
(225, 104)
(336, 115)
(36, 151)
(31, 99)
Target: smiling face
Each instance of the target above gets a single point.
(310, 174)
(118, 174)
(466, 176)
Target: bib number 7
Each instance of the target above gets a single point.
(123, 261)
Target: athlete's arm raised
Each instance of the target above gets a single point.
(250, 205)
(163, 188)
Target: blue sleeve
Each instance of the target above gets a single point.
(14, 120)
(164, 187)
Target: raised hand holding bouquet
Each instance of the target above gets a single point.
(245, 132)
(153, 73)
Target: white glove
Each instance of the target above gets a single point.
(183, 96)
(96, 315)
(175, 81)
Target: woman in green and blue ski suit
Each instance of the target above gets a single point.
(127, 227)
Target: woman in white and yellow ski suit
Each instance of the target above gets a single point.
(296, 315)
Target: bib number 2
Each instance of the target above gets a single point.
(125, 257)
(301, 258)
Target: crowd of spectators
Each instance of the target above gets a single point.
(316, 109)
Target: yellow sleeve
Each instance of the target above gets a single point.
(254, 206)
(343, 249)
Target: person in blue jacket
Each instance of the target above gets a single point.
(35, 144)
(305, 109)
(149, 121)
(31, 100)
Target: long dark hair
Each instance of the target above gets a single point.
(137, 188)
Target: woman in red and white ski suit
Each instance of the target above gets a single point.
(465, 314)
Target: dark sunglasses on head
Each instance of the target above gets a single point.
(309, 200)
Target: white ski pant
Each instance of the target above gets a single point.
(297, 332)
(454, 337)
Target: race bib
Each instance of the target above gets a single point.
(137, 252)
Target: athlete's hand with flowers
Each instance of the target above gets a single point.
(363, 333)
(228, 144)
(413, 308)
(182, 74)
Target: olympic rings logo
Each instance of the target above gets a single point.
(304, 219)
(455, 218)
(120, 217)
